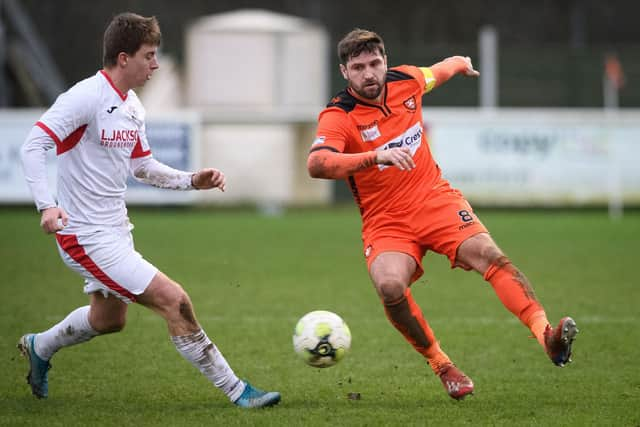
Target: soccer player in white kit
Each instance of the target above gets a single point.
(98, 131)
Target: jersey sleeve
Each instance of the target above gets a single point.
(423, 76)
(33, 158)
(429, 79)
(142, 148)
(70, 112)
(150, 171)
(332, 133)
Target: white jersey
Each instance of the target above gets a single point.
(97, 130)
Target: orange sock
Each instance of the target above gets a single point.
(406, 317)
(516, 294)
(538, 323)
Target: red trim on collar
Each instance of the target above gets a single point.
(122, 96)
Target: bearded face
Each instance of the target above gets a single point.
(366, 74)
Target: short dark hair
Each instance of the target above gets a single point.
(358, 41)
(127, 32)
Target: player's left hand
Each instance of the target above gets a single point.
(208, 178)
(469, 71)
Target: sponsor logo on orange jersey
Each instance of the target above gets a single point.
(411, 138)
(370, 131)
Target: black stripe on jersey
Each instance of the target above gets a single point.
(384, 99)
(325, 147)
(395, 75)
(355, 192)
(344, 101)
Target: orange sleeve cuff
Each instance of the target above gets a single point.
(325, 163)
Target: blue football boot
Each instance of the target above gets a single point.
(252, 397)
(38, 368)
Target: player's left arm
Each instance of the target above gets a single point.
(439, 73)
(150, 171)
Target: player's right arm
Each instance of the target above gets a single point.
(335, 165)
(70, 111)
(33, 154)
(328, 160)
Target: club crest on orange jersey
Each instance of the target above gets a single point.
(410, 104)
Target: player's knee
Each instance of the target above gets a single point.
(185, 308)
(480, 253)
(390, 287)
(493, 255)
(181, 308)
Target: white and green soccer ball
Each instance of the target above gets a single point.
(321, 338)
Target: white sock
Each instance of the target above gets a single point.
(74, 329)
(198, 349)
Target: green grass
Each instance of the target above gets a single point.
(251, 277)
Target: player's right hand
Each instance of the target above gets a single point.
(53, 219)
(399, 157)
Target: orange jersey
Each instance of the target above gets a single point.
(351, 125)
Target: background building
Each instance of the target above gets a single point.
(553, 120)
(552, 53)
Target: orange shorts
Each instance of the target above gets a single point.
(440, 224)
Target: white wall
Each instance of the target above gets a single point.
(500, 157)
(538, 157)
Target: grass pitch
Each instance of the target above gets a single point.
(251, 277)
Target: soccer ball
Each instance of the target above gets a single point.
(321, 338)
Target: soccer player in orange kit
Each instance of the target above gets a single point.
(372, 135)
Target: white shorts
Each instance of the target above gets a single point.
(108, 262)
